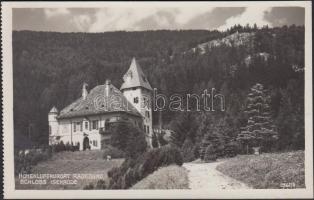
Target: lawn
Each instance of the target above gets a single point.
(80, 162)
(170, 177)
(269, 170)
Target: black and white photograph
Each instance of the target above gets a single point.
(202, 99)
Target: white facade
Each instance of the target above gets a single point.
(75, 130)
(140, 98)
(84, 126)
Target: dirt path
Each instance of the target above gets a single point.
(205, 176)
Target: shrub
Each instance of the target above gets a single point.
(113, 152)
(59, 147)
(25, 159)
(210, 153)
(231, 149)
(128, 138)
(90, 186)
(68, 147)
(188, 151)
(101, 184)
(133, 170)
(155, 140)
(216, 140)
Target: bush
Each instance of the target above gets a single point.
(188, 151)
(155, 140)
(210, 153)
(68, 147)
(133, 170)
(231, 149)
(59, 147)
(113, 152)
(128, 138)
(25, 159)
(90, 186)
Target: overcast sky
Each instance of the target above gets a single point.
(151, 18)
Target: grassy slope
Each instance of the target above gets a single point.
(88, 162)
(171, 177)
(267, 170)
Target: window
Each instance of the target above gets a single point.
(135, 100)
(49, 130)
(144, 128)
(147, 114)
(64, 128)
(95, 143)
(77, 126)
(86, 125)
(106, 124)
(147, 129)
(95, 124)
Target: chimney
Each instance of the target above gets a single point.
(84, 91)
(108, 82)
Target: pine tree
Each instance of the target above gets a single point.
(213, 144)
(215, 138)
(260, 130)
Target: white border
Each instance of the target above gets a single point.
(10, 192)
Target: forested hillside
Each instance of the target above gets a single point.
(49, 69)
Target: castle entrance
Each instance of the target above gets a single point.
(86, 143)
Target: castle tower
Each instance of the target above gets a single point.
(138, 92)
(53, 124)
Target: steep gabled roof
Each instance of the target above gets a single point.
(97, 102)
(135, 77)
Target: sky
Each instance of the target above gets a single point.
(152, 18)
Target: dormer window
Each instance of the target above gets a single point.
(144, 78)
(135, 100)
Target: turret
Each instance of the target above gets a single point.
(138, 92)
(53, 122)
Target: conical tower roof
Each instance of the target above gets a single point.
(135, 77)
(53, 110)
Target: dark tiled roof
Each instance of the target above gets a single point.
(135, 77)
(97, 102)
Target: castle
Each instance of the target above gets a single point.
(86, 121)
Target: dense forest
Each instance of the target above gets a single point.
(49, 69)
